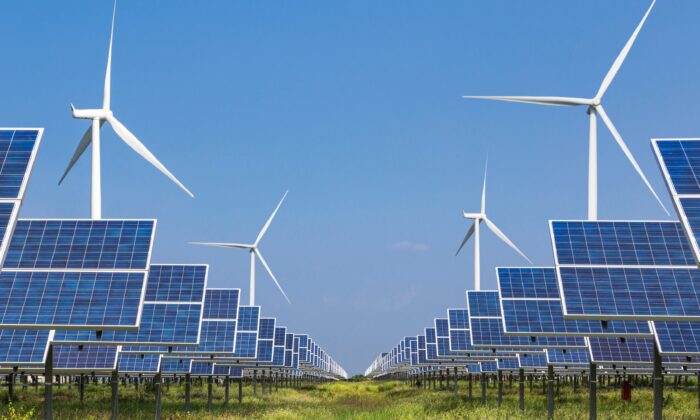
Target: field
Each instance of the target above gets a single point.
(361, 399)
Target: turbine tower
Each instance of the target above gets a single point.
(92, 137)
(474, 230)
(594, 108)
(254, 252)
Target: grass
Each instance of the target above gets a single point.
(346, 400)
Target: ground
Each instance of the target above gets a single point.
(349, 400)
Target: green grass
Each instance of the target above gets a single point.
(344, 400)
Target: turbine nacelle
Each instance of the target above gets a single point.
(476, 216)
(91, 114)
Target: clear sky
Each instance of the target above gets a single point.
(356, 108)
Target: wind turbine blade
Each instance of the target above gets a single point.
(139, 148)
(82, 146)
(269, 220)
(504, 238)
(537, 100)
(469, 234)
(223, 245)
(621, 57)
(618, 138)
(483, 190)
(108, 73)
(264, 263)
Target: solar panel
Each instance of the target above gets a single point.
(266, 335)
(217, 335)
(567, 357)
(247, 332)
(532, 306)
(681, 338)
(533, 360)
(173, 321)
(278, 351)
(139, 363)
(679, 160)
(508, 364)
(87, 274)
(629, 350)
(24, 347)
(592, 289)
(489, 367)
(85, 359)
(486, 326)
(201, 368)
(175, 366)
(474, 368)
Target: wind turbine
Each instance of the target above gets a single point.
(92, 137)
(474, 230)
(594, 109)
(254, 252)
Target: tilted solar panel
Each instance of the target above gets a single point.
(679, 160)
(139, 363)
(567, 357)
(621, 351)
(532, 306)
(626, 290)
(24, 347)
(84, 359)
(175, 366)
(679, 338)
(489, 367)
(486, 326)
(201, 368)
(89, 274)
(533, 360)
(169, 322)
(247, 332)
(509, 364)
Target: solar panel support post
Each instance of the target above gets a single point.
(469, 380)
(240, 391)
(455, 378)
(698, 390)
(226, 384)
(210, 382)
(521, 390)
(255, 383)
(658, 385)
(82, 387)
(157, 383)
(115, 393)
(592, 391)
(270, 380)
(483, 388)
(188, 386)
(10, 386)
(277, 381)
(48, 379)
(500, 388)
(262, 382)
(550, 391)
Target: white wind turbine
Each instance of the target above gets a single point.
(594, 108)
(254, 252)
(92, 136)
(474, 230)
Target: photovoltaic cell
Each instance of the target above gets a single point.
(629, 289)
(200, 368)
(621, 351)
(87, 358)
(175, 366)
(533, 360)
(532, 307)
(678, 337)
(508, 364)
(567, 357)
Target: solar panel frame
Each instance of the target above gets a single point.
(677, 338)
(25, 351)
(683, 273)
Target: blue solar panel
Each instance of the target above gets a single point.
(592, 291)
(278, 356)
(507, 364)
(87, 358)
(200, 368)
(248, 317)
(531, 306)
(489, 367)
(246, 344)
(17, 151)
(265, 351)
(567, 357)
(91, 300)
(680, 163)
(221, 303)
(139, 363)
(483, 303)
(267, 329)
(621, 243)
(172, 321)
(175, 366)
(533, 360)
(280, 333)
(176, 283)
(81, 244)
(474, 368)
(678, 337)
(621, 351)
(23, 346)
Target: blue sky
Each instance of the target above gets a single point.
(356, 108)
